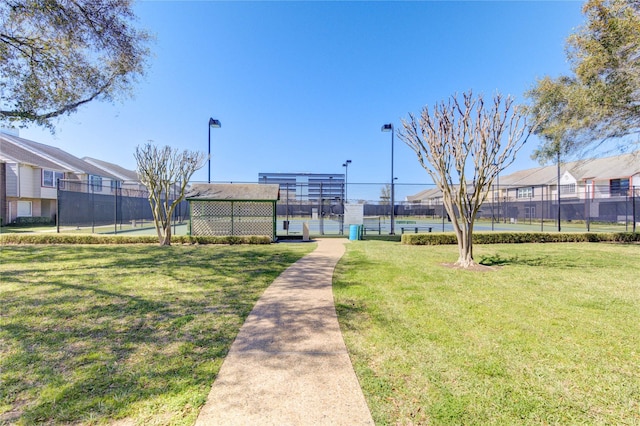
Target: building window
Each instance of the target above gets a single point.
(50, 178)
(524, 192)
(115, 184)
(619, 187)
(24, 209)
(568, 189)
(96, 183)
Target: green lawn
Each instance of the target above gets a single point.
(137, 333)
(551, 336)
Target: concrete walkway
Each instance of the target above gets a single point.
(288, 364)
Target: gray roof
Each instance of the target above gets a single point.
(620, 166)
(425, 195)
(234, 192)
(45, 156)
(12, 153)
(616, 167)
(530, 177)
(606, 168)
(121, 172)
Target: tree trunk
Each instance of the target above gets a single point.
(465, 246)
(464, 234)
(166, 240)
(465, 260)
(159, 222)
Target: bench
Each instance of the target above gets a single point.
(416, 228)
(371, 228)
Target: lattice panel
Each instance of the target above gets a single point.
(232, 218)
(252, 209)
(200, 226)
(211, 208)
(253, 226)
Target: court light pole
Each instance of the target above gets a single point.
(389, 128)
(346, 177)
(216, 125)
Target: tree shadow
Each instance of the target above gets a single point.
(498, 260)
(85, 341)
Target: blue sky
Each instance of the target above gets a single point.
(303, 86)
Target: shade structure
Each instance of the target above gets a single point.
(233, 209)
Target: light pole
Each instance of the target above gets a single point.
(216, 125)
(346, 177)
(389, 128)
(344, 195)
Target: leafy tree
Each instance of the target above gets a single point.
(166, 172)
(600, 100)
(56, 55)
(463, 145)
(559, 113)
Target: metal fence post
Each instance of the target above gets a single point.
(633, 200)
(115, 208)
(58, 206)
(542, 210)
(320, 211)
(626, 212)
(93, 208)
(587, 204)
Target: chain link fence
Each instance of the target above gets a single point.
(121, 207)
(124, 207)
(591, 206)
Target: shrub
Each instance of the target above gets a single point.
(30, 221)
(395, 238)
(123, 239)
(522, 237)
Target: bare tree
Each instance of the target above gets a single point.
(166, 172)
(464, 145)
(385, 195)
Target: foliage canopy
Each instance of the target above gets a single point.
(600, 100)
(56, 55)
